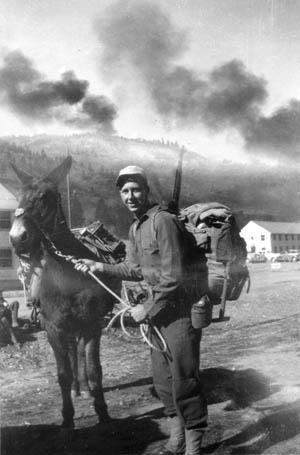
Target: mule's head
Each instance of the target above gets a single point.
(39, 210)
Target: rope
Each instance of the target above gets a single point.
(121, 313)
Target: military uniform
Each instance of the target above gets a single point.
(156, 254)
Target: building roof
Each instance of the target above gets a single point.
(279, 227)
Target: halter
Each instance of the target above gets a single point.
(20, 211)
(27, 268)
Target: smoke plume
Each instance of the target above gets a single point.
(34, 98)
(280, 131)
(141, 35)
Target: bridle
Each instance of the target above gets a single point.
(26, 263)
(27, 267)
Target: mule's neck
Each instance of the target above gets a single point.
(60, 234)
(63, 238)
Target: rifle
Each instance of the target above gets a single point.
(173, 205)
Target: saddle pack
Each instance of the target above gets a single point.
(102, 243)
(216, 234)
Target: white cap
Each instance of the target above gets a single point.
(130, 171)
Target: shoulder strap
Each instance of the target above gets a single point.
(152, 218)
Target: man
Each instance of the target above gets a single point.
(156, 253)
(8, 319)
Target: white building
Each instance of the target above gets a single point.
(271, 236)
(8, 260)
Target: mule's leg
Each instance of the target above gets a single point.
(64, 372)
(94, 373)
(75, 389)
(82, 374)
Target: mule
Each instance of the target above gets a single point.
(72, 305)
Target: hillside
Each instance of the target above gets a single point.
(253, 191)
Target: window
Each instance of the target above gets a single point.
(292, 236)
(286, 236)
(275, 249)
(262, 237)
(298, 236)
(280, 248)
(274, 236)
(6, 258)
(5, 222)
(279, 236)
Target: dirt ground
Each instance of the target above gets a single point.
(250, 366)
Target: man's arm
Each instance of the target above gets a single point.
(128, 270)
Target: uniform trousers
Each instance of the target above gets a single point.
(176, 373)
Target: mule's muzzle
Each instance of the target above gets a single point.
(19, 237)
(20, 244)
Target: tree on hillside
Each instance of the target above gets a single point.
(114, 216)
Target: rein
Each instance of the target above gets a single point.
(144, 328)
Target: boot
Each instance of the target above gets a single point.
(193, 439)
(176, 441)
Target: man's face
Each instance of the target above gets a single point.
(135, 196)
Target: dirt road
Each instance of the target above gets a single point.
(250, 366)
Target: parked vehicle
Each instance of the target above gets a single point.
(271, 256)
(294, 254)
(257, 257)
(284, 257)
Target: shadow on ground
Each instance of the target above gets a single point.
(276, 424)
(229, 432)
(241, 387)
(131, 435)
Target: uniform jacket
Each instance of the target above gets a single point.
(156, 254)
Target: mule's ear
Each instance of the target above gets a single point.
(60, 172)
(23, 176)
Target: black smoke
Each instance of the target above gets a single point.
(279, 131)
(31, 96)
(141, 35)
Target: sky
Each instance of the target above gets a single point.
(218, 76)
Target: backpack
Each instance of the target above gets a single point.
(217, 235)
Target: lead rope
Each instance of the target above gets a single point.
(144, 328)
(126, 307)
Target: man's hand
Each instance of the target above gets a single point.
(139, 313)
(88, 265)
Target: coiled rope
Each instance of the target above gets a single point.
(144, 328)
